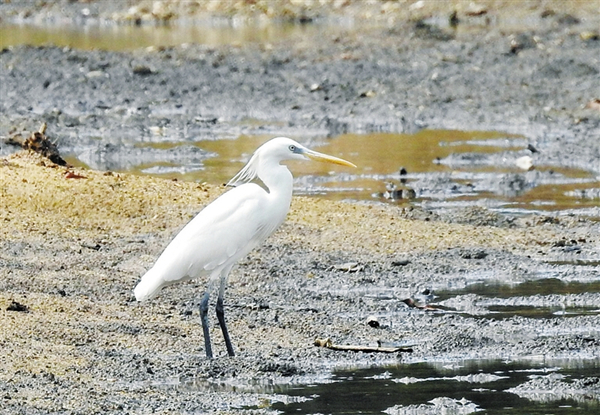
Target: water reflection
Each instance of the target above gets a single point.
(528, 385)
(544, 286)
(525, 386)
(541, 298)
(471, 386)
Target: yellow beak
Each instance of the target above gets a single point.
(314, 155)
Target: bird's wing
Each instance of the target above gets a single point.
(229, 227)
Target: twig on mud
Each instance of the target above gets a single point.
(357, 348)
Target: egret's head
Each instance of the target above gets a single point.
(284, 148)
(276, 150)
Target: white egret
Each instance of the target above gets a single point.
(230, 227)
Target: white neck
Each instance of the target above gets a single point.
(278, 180)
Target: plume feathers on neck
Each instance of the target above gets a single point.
(247, 174)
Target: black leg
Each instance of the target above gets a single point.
(221, 318)
(204, 320)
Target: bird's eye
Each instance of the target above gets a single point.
(292, 148)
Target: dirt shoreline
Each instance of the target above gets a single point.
(71, 249)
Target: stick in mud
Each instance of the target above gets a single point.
(358, 348)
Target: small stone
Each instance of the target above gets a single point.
(95, 74)
(368, 94)
(16, 306)
(373, 321)
(589, 35)
(349, 267)
(524, 163)
(142, 70)
(593, 104)
(475, 9)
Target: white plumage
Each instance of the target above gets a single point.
(217, 236)
(230, 227)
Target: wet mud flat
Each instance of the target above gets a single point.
(106, 108)
(74, 339)
(74, 241)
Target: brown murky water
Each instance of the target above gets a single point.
(437, 184)
(123, 38)
(423, 155)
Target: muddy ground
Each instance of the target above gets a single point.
(75, 341)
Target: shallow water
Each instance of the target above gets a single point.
(423, 168)
(378, 156)
(126, 38)
(458, 387)
(472, 386)
(546, 286)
